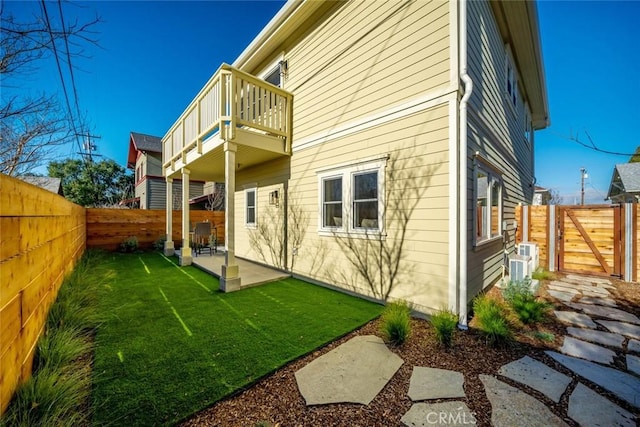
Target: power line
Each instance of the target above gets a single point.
(64, 86)
(66, 43)
(593, 146)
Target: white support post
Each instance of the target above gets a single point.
(551, 244)
(525, 223)
(629, 234)
(169, 250)
(185, 252)
(230, 279)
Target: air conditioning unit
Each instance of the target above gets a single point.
(530, 249)
(520, 267)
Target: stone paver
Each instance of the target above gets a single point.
(633, 364)
(453, 413)
(575, 319)
(586, 350)
(594, 290)
(623, 385)
(589, 279)
(538, 376)
(354, 372)
(634, 345)
(432, 383)
(588, 409)
(512, 407)
(564, 286)
(600, 337)
(598, 301)
(562, 296)
(606, 312)
(626, 329)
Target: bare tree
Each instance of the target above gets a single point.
(379, 259)
(554, 197)
(215, 200)
(33, 126)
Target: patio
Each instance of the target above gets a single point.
(253, 274)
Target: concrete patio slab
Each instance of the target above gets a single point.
(354, 372)
(562, 296)
(453, 413)
(575, 319)
(626, 329)
(623, 385)
(633, 364)
(251, 273)
(600, 337)
(538, 376)
(606, 312)
(432, 383)
(512, 407)
(589, 409)
(634, 346)
(586, 350)
(598, 301)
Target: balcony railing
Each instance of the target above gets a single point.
(231, 99)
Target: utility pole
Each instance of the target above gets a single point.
(583, 175)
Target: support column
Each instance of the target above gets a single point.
(230, 279)
(185, 252)
(169, 250)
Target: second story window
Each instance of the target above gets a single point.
(511, 80)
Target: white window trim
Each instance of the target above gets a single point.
(493, 176)
(528, 128)
(510, 63)
(272, 67)
(347, 173)
(255, 207)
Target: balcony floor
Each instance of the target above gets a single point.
(251, 273)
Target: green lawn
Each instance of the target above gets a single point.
(173, 344)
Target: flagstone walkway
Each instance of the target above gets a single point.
(599, 333)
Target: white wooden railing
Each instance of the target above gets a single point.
(230, 99)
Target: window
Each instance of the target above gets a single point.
(332, 202)
(528, 129)
(274, 76)
(365, 200)
(511, 80)
(488, 198)
(250, 214)
(351, 198)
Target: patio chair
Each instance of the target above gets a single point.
(202, 238)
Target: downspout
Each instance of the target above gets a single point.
(462, 158)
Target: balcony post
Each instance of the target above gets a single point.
(185, 252)
(168, 244)
(230, 279)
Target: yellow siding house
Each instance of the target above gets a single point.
(377, 147)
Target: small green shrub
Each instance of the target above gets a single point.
(492, 320)
(159, 243)
(544, 336)
(130, 244)
(59, 347)
(396, 323)
(445, 322)
(542, 274)
(524, 303)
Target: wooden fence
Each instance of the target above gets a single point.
(42, 236)
(107, 228)
(591, 239)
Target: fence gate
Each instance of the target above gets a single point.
(589, 239)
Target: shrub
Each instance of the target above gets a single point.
(444, 322)
(396, 323)
(491, 318)
(58, 348)
(524, 303)
(542, 274)
(159, 243)
(130, 244)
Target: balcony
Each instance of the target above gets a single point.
(233, 107)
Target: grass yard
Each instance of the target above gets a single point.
(173, 344)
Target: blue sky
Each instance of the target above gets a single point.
(155, 56)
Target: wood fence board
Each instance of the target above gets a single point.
(10, 321)
(10, 371)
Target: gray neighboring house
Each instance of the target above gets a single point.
(46, 182)
(145, 158)
(625, 183)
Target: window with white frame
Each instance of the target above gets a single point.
(488, 201)
(528, 129)
(250, 207)
(351, 198)
(511, 80)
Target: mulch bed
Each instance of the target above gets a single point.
(276, 401)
